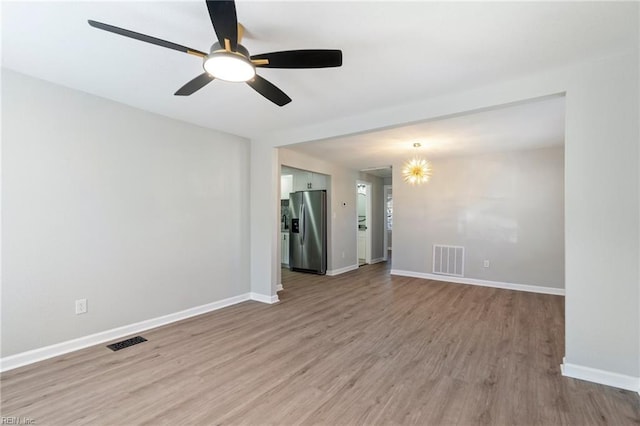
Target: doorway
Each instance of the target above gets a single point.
(364, 219)
(388, 221)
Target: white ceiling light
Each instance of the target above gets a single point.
(229, 66)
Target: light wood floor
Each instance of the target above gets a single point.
(360, 348)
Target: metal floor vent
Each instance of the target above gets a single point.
(448, 260)
(126, 343)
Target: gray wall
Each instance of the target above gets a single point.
(603, 215)
(142, 215)
(506, 207)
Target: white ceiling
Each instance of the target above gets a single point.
(394, 52)
(534, 124)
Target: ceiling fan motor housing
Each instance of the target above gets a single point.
(217, 47)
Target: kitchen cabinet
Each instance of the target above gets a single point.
(305, 181)
(318, 181)
(284, 250)
(286, 186)
(300, 180)
(293, 180)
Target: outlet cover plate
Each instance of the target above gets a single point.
(81, 306)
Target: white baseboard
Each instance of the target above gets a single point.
(335, 272)
(264, 298)
(40, 354)
(279, 288)
(378, 260)
(482, 283)
(602, 377)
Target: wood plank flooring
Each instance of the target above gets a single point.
(359, 348)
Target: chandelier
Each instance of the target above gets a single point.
(416, 170)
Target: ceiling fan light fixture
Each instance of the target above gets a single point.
(229, 66)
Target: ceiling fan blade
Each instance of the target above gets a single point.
(194, 85)
(269, 91)
(311, 58)
(146, 38)
(225, 21)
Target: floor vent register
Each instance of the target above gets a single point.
(126, 343)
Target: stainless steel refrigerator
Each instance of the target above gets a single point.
(308, 231)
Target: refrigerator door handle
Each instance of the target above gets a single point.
(303, 215)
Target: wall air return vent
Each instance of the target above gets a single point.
(448, 260)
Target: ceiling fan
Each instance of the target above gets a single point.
(229, 60)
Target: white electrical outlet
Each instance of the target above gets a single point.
(486, 263)
(81, 306)
(343, 255)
